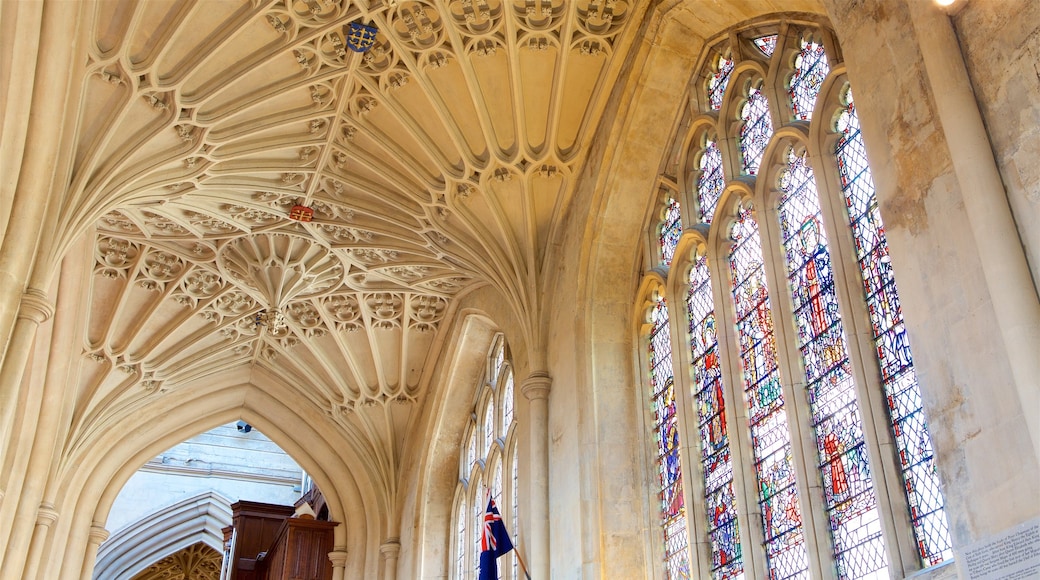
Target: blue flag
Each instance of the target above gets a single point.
(494, 542)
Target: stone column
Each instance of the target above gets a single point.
(536, 390)
(390, 550)
(999, 246)
(45, 518)
(98, 535)
(33, 310)
(339, 564)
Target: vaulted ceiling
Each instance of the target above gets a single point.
(439, 159)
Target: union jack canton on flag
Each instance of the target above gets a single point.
(494, 542)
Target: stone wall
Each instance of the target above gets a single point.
(1000, 41)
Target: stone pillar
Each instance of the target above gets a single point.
(390, 550)
(339, 564)
(98, 535)
(33, 310)
(536, 390)
(45, 518)
(1003, 260)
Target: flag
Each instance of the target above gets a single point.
(494, 542)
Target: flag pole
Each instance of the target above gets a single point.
(521, 560)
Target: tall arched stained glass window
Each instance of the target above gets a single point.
(723, 530)
(491, 448)
(771, 439)
(849, 494)
(756, 129)
(902, 393)
(710, 182)
(666, 432)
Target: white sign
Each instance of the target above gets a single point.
(1011, 555)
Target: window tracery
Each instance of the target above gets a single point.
(482, 471)
(818, 439)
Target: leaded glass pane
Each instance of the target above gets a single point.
(723, 531)
(767, 44)
(499, 359)
(810, 69)
(718, 82)
(849, 495)
(917, 461)
(756, 130)
(507, 403)
(671, 231)
(666, 434)
(785, 548)
(480, 498)
(489, 426)
(710, 182)
(460, 540)
(471, 449)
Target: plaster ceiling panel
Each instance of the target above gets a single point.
(141, 118)
(454, 92)
(576, 96)
(113, 20)
(292, 134)
(245, 107)
(398, 137)
(115, 259)
(486, 214)
(103, 102)
(497, 96)
(243, 56)
(153, 23)
(432, 121)
(157, 273)
(547, 200)
(538, 71)
(188, 34)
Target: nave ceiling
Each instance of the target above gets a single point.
(440, 160)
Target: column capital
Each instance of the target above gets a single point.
(338, 558)
(35, 306)
(390, 548)
(536, 386)
(98, 534)
(46, 515)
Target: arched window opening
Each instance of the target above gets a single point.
(756, 129)
(778, 496)
(902, 392)
(492, 425)
(851, 502)
(723, 530)
(666, 431)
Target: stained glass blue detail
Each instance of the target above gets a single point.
(916, 457)
(718, 82)
(723, 531)
(786, 553)
(666, 432)
(849, 495)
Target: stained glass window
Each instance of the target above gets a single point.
(917, 461)
(671, 231)
(810, 68)
(507, 403)
(711, 181)
(755, 131)
(723, 531)
(489, 427)
(718, 81)
(849, 496)
(666, 431)
(471, 451)
(767, 44)
(786, 553)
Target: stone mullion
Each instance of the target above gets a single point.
(815, 521)
(738, 425)
(882, 453)
(535, 389)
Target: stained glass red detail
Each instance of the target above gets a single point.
(786, 553)
(755, 131)
(666, 432)
(711, 181)
(849, 495)
(670, 232)
(810, 69)
(719, 81)
(767, 44)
